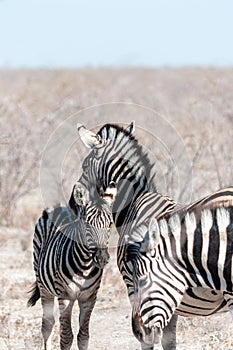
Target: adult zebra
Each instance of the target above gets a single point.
(117, 156)
(190, 248)
(70, 251)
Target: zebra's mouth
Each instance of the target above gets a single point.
(146, 335)
(101, 257)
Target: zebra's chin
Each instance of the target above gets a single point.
(146, 335)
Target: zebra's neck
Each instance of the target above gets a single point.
(74, 243)
(125, 206)
(140, 209)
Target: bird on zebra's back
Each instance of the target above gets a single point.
(117, 156)
(70, 250)
(191, 248)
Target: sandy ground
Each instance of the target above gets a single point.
(110, 322)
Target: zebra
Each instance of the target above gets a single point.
(117, 156)
(70, 252)
(111, 159)
(192, 247)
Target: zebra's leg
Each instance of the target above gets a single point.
(66, 334)
(47, 302)
(169, 334)
(86, 307)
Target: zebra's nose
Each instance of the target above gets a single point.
(146, 335)
(101, 257)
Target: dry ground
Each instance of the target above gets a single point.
(110, 322)
(186, 112)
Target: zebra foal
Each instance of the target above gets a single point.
(189, 249)
(70, 252)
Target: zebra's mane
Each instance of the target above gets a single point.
(200, 213)
(115, 131)
(117, 128)
(226, 203)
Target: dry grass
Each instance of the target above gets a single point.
(194, 103)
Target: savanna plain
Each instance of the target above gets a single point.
(184, 120)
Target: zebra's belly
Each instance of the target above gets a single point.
(68, 286)
(201, 302)
(60, 286)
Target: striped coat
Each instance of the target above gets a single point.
(188, 250)
(116, 156)
(70, 252)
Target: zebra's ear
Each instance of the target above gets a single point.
(131, 127)
(89, 138)
(151, 238)
(79, 197)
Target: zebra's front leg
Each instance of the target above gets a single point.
(47, 302)
(86, 307)
(66, 334)
(169, 334)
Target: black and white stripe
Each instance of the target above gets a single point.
(188, 250)
(117, 156)
(70, 252)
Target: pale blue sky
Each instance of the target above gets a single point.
(77, 33)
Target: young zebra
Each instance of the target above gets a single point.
(70, 252)
(116, 156)
(189, 249)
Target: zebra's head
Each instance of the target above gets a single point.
(115, 156)
(98, 220)
(99, 165)
(152, 301)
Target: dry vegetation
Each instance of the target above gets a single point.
(186, 123)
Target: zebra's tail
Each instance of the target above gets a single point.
(35, 295)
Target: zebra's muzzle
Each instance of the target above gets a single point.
(101, 257)
(146, 335)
